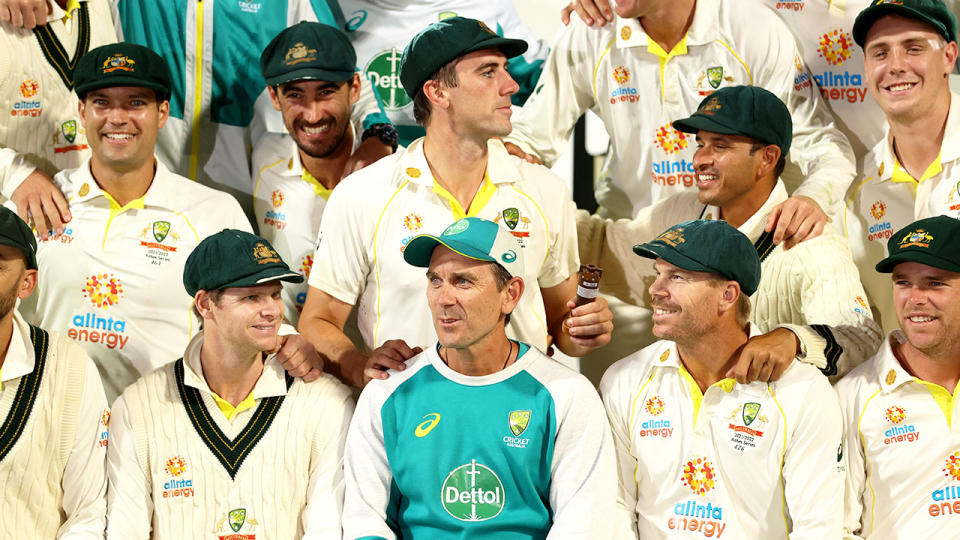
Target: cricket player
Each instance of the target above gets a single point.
(809, 302)
(903, 455)
(295, 173)
(111, 280)
(481, 436)
(910, 48)
(700, 455)
(54, 435)
(223, 439)
(455, 72)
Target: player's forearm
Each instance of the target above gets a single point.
(341, 358)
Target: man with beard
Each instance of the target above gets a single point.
(292, 180)
(54, 435)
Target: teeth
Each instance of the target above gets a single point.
(901, 87)
(661, 311)
(919, 319)
(707, 177)
(118, 136)
(316, 130)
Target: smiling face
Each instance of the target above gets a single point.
(122, 124)
(316, 113)
(927, 301)
(906, 67)
(480, 103)
(728, 170)
(686, 304)
(465, 300)
(246, 318)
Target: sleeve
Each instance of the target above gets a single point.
(368, 500)
(820, 151)
(324, 508)
(235, 218)
(583, 471)
(854, 460)
(562, 259)
(838, 331)
(85, 477)
(616, 403)
(263, 185)
(812, 474)
(129, 501)
(340, 263)
(14, 169)
(526, 68)
(563, 93)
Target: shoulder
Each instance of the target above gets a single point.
(323, 393)
(561, 381)
(272, 150)
(803, 387)
(761, 26)
(628, 373)
(146, 392)
(378, 391)
(826, 251)
(579, 37)
(372, 184)
(861, 380)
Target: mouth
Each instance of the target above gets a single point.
(266, 328)
(707, 180)
(900, 88)
(315, 131)
(116, 137)
(920, 319)
(660, 312)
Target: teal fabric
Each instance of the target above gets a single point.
(473, 427)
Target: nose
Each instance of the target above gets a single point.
(917, 297)
(657, 289)
(702, 158)
(897, 59)
(510, 86)
(271, 308)
(116, 116)
(313, 112)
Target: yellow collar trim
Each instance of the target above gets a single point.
(726, 384)
(654, 48)
(319, 189)
(229, 410)
(115, 207)
(483, 196)
(71, 5)
(900, 174)
(944, 399)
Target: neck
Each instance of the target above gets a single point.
(709, 357)
(669, 23)
(917, 141)
(123, 185)
(739, 210)
(6, 333)
(489, 355)
(940, 367)
(230, 372)
(458, 164)
(328, 169)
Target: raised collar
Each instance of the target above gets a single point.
(889, 372)
(501, 167)
(885, 158)
(161, 193)
(703, 29)
(754, 226)
(58, 14)
(20, 359)
(272, 381)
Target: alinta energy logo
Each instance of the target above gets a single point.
(836, 47)
(900, 432)
(621, 74)
(103, 291)
(946, 500)
(699, 475)
(177, 486)
(670, 172)
(655, 428)
(276, 198)
(29, 88)
(951, 468)
(473, 492)
(881, 230)
(383, 70)
(670, 140)
(623, 93)
(654, 406)
(895, 414)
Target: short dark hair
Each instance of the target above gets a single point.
(446, 75)
(781, 163)
(501, 277)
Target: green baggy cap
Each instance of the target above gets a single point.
(933, 12)
(122, 64)
(14, 232)
(308, 50)
(234, 258)
(932, 241)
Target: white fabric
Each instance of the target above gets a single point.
(374, 213)
(877, 207)
(769, 476)
(54, 480)
(813, 283)
(291, 483)
(648, 159)
(31, 84)
(898, 486)
(114, 281)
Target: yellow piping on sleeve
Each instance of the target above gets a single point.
(633, 414)
(866, 462)
(737, 56)
(783, 450)
(376, 269)
(597, 68)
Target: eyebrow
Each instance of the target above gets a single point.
(295, 87)
(486, 65)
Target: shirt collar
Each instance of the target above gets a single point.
(272, 381)
(57, 13)
(162, 191)
(885, 158)
(889, 371)
(754, 226)
(670, 357)
(703, 29)
(501, 167)
(20, 359)
(294, 166)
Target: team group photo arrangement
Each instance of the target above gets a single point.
(461, 269)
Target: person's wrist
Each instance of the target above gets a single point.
(385, 133)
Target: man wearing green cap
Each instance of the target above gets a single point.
(910, 48)
(223, 439)
(292, 179)
(697, 451)
(111, 280)
(455, 72)
(481, 436)
(809, 301)
(54, 436)
(903, 456)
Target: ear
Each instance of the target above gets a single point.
(769, 157)
(28, 282)
(355, 88)
(81, 106)
(950, 55)
(164, 109)
(730, 293)
(436, 94)
(274, 98)
(204, 304)
(512, 293)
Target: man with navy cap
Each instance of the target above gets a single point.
(223, 439)
(481, 436)
(696, 450)
(455, 71)
(54, 414)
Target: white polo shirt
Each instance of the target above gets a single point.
(638, 90)
(113, 280)
(375, 212)
(886, 198)
(903, 454)
(288, 203)
(762, 463)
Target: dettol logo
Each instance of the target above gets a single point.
(472, 492)
(383, 70)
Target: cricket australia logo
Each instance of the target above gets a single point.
(69, 130)
(473, 492)
(160, 230)
(518, 421)
(749, 413)
(715, 76)
(383, 70)
(238, 520)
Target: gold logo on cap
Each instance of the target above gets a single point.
(891, 376)
(625, 33)
(711, 106)
(672, 237)
(413, 172)
(299, 53)
(918, 238)
(118, 62)
(84, 189)
(264, 255)
(485, 28)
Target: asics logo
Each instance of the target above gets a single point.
(430, 421)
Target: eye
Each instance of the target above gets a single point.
(276, 295)
(676, 277)
(138, 103)
(879, 55)
(434, 281)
